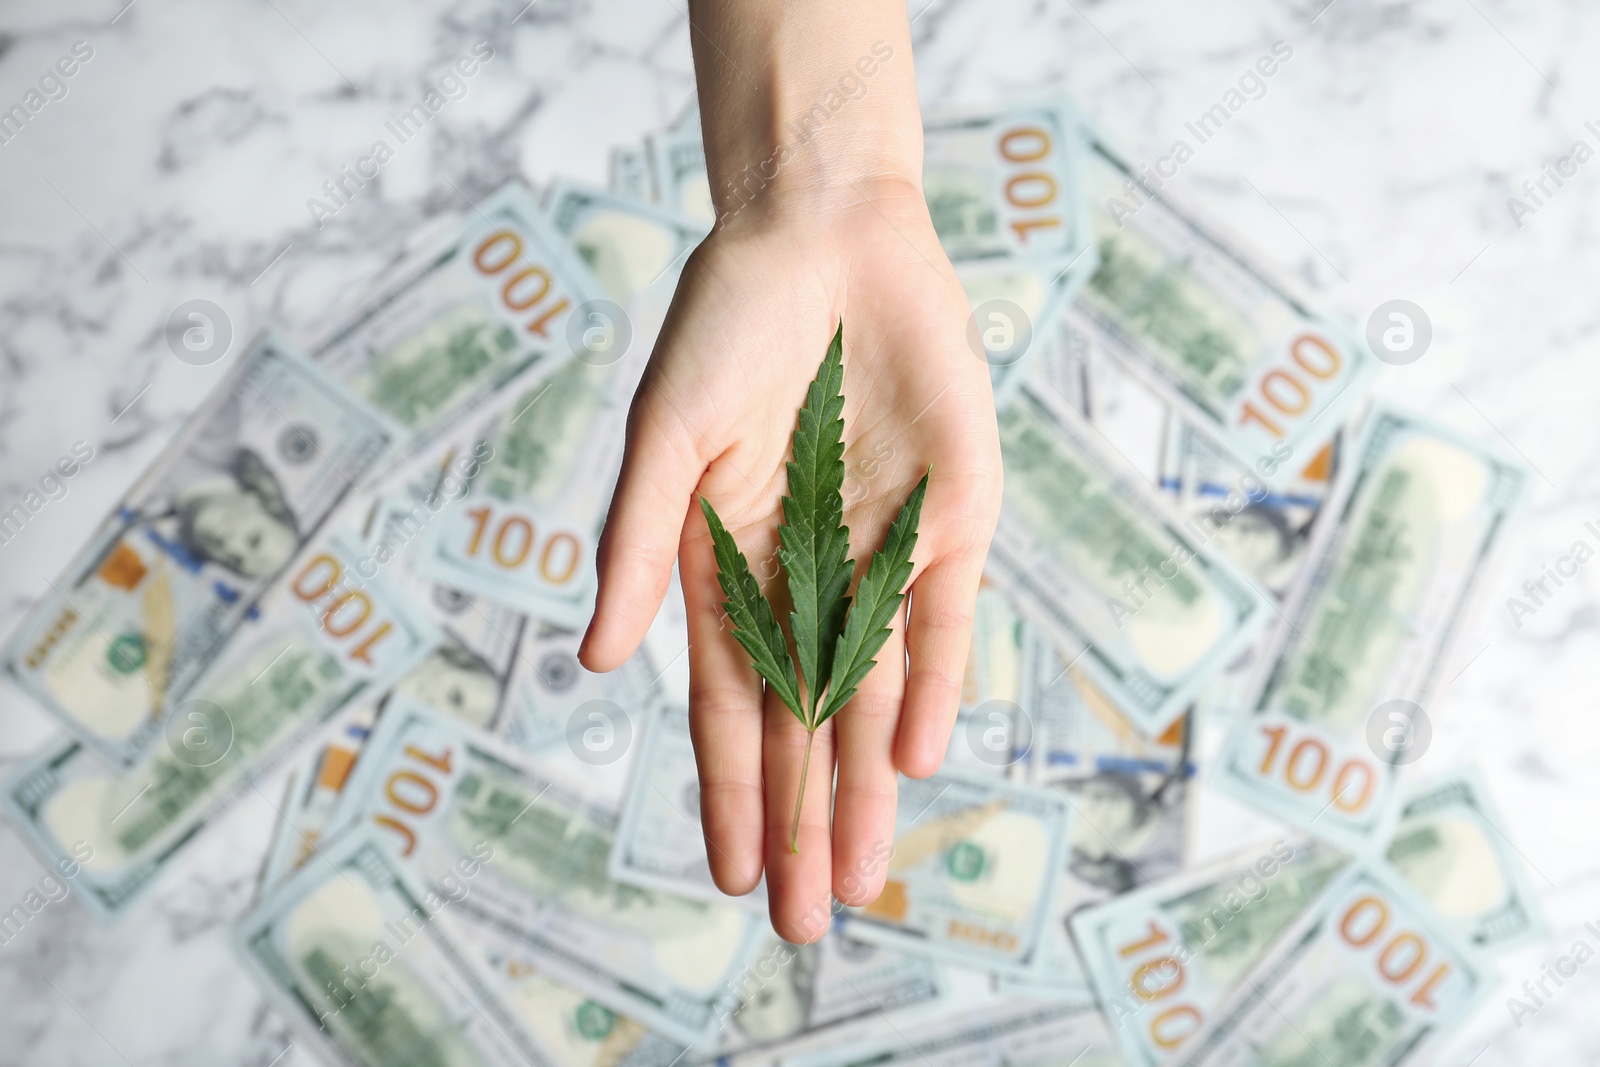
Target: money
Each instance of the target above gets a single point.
(1129, 795)
(1250, 363)
(678, 173)
(564, 715)
(162, 585)
(1363, 641)
(525, 533)
(571, 1029)
(318, 646)
(361, 958)
(1108, 575)
(629, 246)
(1451, 847)
(1162, 959)
(468, 675)
(1010, 1035)
(972, 872)
(1004, 191)
(310, 801)
(440, 791)
(630, 174)
(1369, 975)
(459, 319)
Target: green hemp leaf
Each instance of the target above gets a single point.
(834, 644)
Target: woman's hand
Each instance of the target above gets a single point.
(842, 233)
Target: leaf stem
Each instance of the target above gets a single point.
(805, 769)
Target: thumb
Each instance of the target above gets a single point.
(661, 466)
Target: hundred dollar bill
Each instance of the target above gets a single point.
(440, 791)
(1451, 847)
(630, 174)
(1004, 191)
(316, 647)
(570, 1028)
(365, 963)
(1114, 581)
(468, 674)
(1370, 976)
(1246, 360)
(994, 732)
(660, 843)
(567, 717)
(629, 246)
(678, 172)
(1364, 639)
(525, 534)
(1010, 1034)
(457, 320)
(164, 582)
(312, 798)
(1129, 794)
(798, 997)
(972, 874)
(1162, 958)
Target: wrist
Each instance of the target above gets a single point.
(797, 121)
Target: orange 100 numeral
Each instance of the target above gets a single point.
(1307, 766)
(525, 288)
(1173, 1026)
(513, 541)
(1402, 956)
(346, 613)
(1282, 390)
(412, 793)
(1033, 188)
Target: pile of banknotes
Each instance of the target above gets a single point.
(364, 564)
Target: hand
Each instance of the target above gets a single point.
(757, 305)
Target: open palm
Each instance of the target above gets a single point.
(753, 315)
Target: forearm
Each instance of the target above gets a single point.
(803, 102)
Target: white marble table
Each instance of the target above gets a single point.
(1377, 164)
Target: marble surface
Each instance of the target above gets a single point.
(1377, 165)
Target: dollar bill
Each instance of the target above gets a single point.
(1115, 582)
(1015, 1034)
(660, 843)
(678, 172)
(148, 604)
(570, 1028)
(994, 733)
(630, 174)
(468, 675)
(1249, 362)
(1163, 958)
(1004, 191)
(1450, 845)
(629, 246)
(440, 791)
(318, 646)
(972, 874)
(362, 960)
(1130, 799)
(312, 798)
(799, 997)
(459, 319)
(1370, 975)
(1364, 639)
(526, 530)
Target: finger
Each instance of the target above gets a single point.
(661, 467)
(797, 881)
(868, 787)
(938, 635)
(725, 710)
